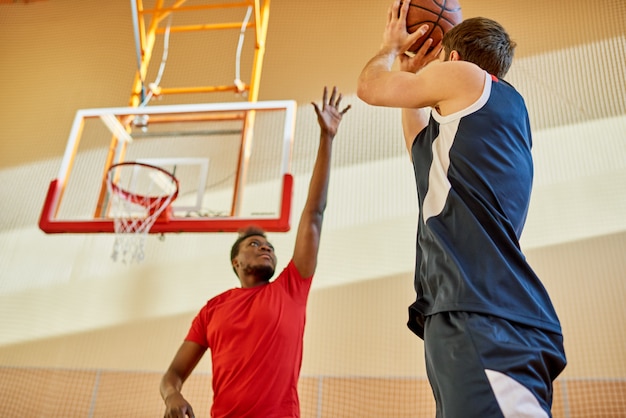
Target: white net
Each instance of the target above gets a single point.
(140, 195)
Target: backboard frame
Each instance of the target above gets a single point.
(50, 223)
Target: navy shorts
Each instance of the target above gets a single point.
(485, 366)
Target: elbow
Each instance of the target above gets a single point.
(371, 92)
(362, 92)
(314, 217)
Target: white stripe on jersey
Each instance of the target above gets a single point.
(438, 184)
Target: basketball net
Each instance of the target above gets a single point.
(140, 195)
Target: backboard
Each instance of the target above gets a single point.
(232, 162)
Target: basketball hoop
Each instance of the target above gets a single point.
(141, 195)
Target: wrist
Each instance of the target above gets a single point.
(169, 395)
(388, 51)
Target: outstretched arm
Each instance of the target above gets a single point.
(309, 229)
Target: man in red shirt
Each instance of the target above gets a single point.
(255, 332)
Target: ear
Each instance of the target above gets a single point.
(454, 55)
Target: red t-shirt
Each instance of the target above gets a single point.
(255, 337)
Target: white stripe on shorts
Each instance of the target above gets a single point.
(514, 399)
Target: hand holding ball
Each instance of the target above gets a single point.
(439, 15)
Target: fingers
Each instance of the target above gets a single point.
(324, 98)
(404, 10)
(421, 31)
(338, 100)
(423, 51)
(332, 96)
(334, 101)
(392, 11)
(427, 53)
(316, 108)
(436, 51)
(398, 10)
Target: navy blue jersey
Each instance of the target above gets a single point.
(474, 175)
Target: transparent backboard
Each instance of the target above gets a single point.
(232, 162)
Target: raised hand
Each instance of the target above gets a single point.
(329, 116)
(415, 62)
(396, 38)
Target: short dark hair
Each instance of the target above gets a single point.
(483, 42)
(243, 234)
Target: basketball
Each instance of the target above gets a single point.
(439, 15)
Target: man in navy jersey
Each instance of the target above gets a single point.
(255, 332)
(492, 339)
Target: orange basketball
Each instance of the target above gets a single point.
(439, 15)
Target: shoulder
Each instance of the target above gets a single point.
(290, 272)
(462, 85)
(293, 283)
(457, 73)
(505, 87)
